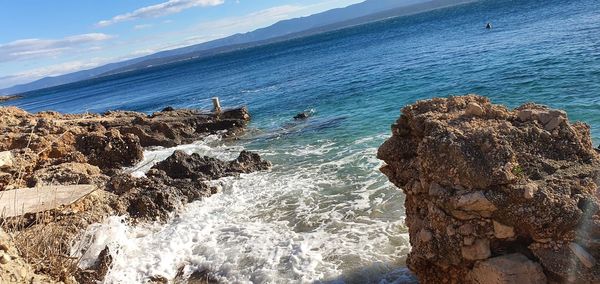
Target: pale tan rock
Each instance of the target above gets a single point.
(475, 201)
(508, 269)
(529, 190)
(6, 159)
(4, 258)
(554, 123)
(474, 109)
(479, 250)
(525, 115)
(502, 231)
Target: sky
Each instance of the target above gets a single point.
(40, 38)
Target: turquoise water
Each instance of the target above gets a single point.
(324, 213)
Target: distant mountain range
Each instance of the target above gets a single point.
(367, 11)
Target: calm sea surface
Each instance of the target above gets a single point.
(324, 213)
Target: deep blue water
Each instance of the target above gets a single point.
(324, 206)
(542, 51)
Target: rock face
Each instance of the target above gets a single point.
(49, 148)
(176, 181)
(488, 188)
(31, 142)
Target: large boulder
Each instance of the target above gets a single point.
(482, 181)
(111, 150)
(181, 165)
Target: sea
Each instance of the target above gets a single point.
(324, 213)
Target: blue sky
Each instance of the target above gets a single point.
(41, 38)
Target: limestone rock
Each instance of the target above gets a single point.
(474, 109)
(480, 249)
(502, 231)
(481, 167)
(475, 201)
(508, 269)
(6, 159)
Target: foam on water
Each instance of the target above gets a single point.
(326, 215)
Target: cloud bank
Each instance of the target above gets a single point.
(34, 48)
(159, 10)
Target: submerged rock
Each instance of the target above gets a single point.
(486, 182)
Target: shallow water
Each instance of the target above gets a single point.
(324, 212)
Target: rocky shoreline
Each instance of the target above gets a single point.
(53, 149)
(496, 195)
(9, 98)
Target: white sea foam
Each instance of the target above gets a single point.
(327, 217)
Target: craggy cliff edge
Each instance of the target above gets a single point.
(52, 149)
(494, 195)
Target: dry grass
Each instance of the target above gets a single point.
(39, 238)
(45, 245)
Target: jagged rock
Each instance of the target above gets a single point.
(508, 269)
(487, 181)
(67, 174)
(54, 148)
(181, 165)
(176, 181)
(502, 231)
(480, 249)
(111, 150)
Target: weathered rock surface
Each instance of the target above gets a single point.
(49, 148)
(30, 142)
(176, 181)
(485, 182)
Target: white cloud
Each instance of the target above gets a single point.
(159, 10)
(52, 70)
(36, 48)
(141, 27)
(253, 20)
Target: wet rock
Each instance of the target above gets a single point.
(98, 271)
(178, 180)
(497, 181)
(508, 269)
(181, 165)
(302, 116)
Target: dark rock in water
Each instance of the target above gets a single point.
(98, 271)
(483, 182)
(302, 115)
(155, 196)
(168, 109)
(178, 180)
(110, 150)
(181, 165)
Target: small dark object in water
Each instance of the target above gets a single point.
(168, 109)
(302, 116)
(488, 26)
